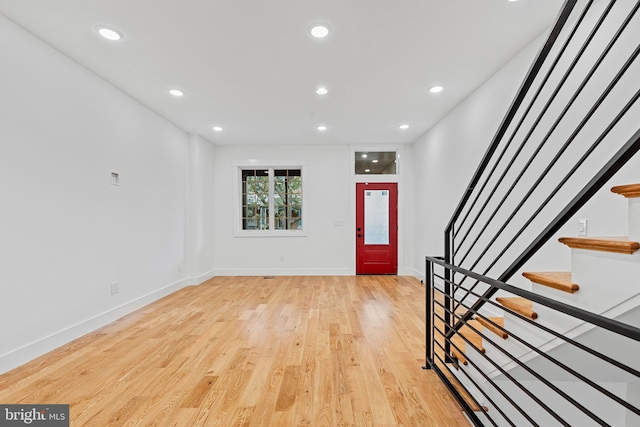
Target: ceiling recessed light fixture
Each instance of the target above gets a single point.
(367, 170)
(109, 33)
(322, 91)
(320, 30)
(216, 128)
(364, 156)
(176, 92)
(322, 128)
(436, 89)
(374, 161)
(403, 127)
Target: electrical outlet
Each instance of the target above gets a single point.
(115, 288)
(179, 268)
(115, 178)
(582, 227)
(281, 257)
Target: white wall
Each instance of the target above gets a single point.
(407, 213)
(445, 158)
(66, 234)
(201, 209)
(328, 245)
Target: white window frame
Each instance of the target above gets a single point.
(271, 166)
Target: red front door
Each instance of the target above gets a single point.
(377, 228)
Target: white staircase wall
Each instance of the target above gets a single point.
(607, 287)
(610, 344)
(587, 396)
(472, 376)
(511, 346)
(604, 408)
(611, 378)
(606, 279)
(480, 362)
(634, 219)
(633, 395)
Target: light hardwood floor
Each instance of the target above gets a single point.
(249, 351)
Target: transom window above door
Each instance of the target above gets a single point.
(376, 163)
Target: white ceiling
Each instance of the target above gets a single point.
(251, 66)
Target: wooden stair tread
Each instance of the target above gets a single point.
(497, 320)
(460, 343)
(628, 191)
(462, 391)
(620, 245)
(553, 279)
(471, 335)
(473, 338)
(460, 311)
(520, 305)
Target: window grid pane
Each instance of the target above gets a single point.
(255, 199)
(288, 199)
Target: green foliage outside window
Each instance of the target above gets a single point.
(287, 199)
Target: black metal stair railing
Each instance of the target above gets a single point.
(561, 150)
(503, 392)
(562, 125)
(574, 120)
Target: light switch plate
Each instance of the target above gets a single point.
(582, 227)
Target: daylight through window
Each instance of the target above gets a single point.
(271, 199)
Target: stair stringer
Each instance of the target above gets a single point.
(621, 384)
(611, 413)
(612, 379)
(627, 311)
(592, 271)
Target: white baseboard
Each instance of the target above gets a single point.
(202, 278)
(22, 355)
(295, 272)
(284, 272)
(417, 274)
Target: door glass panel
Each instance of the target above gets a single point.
(376, 217)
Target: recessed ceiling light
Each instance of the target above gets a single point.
(109, 33)
(512, 1)
(436, 89)
(176, 92)
(374, 161)
(367, 170)
(217, 128)
(322, 128)
(322, 91)
(320, 31)
(364, 156)
(403, 127)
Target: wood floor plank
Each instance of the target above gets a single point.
(245, 351)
